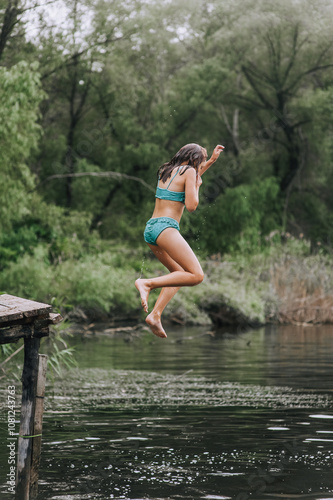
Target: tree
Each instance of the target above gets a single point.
(19, 135)
(128, 83)
(10, 11)
(275, 54)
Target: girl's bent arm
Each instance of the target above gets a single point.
(192, 184)
(216, 153)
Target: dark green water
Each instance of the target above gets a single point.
(197, 416)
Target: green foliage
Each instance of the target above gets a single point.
(19, 134)
(124, 96)
(6, 350)
(102, 281)
(314, 216)
(30, 276)
(23, 238)
(225, 73)
(65, 236)
(239, 220)
(11, 361)
(61, 358)
(97, 282)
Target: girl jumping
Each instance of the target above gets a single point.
(162, 234)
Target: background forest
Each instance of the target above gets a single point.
(95, 95)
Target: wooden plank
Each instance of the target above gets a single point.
(15, 308)
(55, 318)
(37, 327)
(29, 386)
(29, 327)
(14, 333)
(38, 425)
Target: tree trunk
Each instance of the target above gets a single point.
(9, 21)
(69, 161)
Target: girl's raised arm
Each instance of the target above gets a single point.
(216, 153)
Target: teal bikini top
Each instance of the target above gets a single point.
(167, 194)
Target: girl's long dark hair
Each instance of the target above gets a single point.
(193, 154)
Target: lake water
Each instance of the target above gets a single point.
(200, 415)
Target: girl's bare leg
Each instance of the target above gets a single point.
(189, 273)
(153, 319)
(166, 294)
(175, 253)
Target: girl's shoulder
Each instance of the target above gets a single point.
(187, 170)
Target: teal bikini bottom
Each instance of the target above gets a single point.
(155, 226)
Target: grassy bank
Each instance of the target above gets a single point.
(283, 283)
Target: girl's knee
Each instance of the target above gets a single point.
(199, 276)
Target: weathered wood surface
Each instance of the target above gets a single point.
(36, 327)
(15, 308)
(38, 425)
(29, 385)
(13, 334)
(32, 320)
(55, 318)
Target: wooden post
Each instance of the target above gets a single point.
(28, 320)
(38, 425)
(29, 386)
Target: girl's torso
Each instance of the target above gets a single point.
(170, 196)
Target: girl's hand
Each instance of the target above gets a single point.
(216, 153)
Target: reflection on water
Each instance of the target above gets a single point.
(198, 416)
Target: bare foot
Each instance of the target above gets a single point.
(144, 293)
(155, 325)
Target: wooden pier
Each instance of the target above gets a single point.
(30, 320)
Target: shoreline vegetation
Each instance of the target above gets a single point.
(284, 283)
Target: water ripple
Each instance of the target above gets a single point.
(126, 388)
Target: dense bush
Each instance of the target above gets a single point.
(240, 219)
